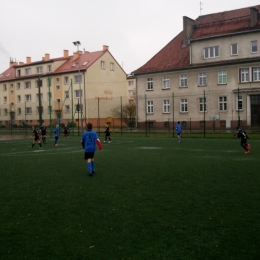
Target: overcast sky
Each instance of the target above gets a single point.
(134, 30)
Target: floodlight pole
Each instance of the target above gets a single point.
(77, 43)
(39, 84)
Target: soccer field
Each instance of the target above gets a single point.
(150, 198)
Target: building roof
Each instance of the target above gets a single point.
(176, 55)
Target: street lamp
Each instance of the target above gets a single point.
(77, 43)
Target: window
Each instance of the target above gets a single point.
(38, 111)
(222, 103)
(184, 80)
(28, 110)
(78, 93)
(130, 83)
(37, 97)
(28, 71)
(18, 99)
(18, 85)
(166, 106)
(18, 73)
(112, 66)
(222, 77)
(254, 46)
(39, 70)
(28, 98)
(234, 49)
(57, 87)
(27, 84)
(256, 74)
(103, 65)
(149, 107)
(67, 109)
(67, 94)
(130, 92)
(19, 111)
(11, 85)
(150, 84)
(5, 112)
(5, 100)
(239, 103)
(57, 79)
(211, 52)
(202, 79)
(66, 80)
(49, 68)
(244, 75)
(77, 79)
(184, 105)
(203, 104)
(166, 82)
(78, 108)
(4, 87)
(57, 100)
(49, 95)
(11, 92)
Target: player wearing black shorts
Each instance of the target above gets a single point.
(43, 133)
(107, 134)
(36, 137)
(66, 130)
(243, 139)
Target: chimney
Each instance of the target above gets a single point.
(47, 57)
(21, 63)
(105, 48)
(28, 60)
(253, 16)
(65, 53)
(12, 63)
(187, 29)
(75, 55)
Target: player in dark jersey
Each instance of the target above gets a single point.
(43, 133)
(243, 137)
(89, 140)
(36, 137)
(107, 134)
(66, 131)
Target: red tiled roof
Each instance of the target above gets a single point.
(89, 57)
(223, 23)
(175, 56)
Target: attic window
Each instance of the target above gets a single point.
(85, 63)
(1, 75)
(8, 75)
(73, 65)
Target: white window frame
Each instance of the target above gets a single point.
(166, 82)
(28, 98)
(202, 79)
(244, 75)
(66, 80)
(203, 104)
(77, 79)
(166, 106)
(18, 85)
(149, 107)
(4, 87)
(27, 84)
(5, 100)
(254, 47)
(103, 65)
(28, 71)
(39, 70)
(183, 80)
(112, 66)
(183, 105)
(130, 83)
(5, 111)
(78, 93)
(49, 68)
(256, 74)
(222, 103)
(239, 102)
(211, 52)
(67, 94)
(19, 111)
(149, 84)
(37, 97)
(222, 77)
(28, 110)
(67, 109)
(18, 99)
(234, 49)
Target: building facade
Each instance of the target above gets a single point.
(83, 87)
(209, 73)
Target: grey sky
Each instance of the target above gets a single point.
(134, 30)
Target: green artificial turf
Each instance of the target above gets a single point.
(150, 198)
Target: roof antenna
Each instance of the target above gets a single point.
(201, 7)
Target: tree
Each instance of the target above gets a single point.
(128, 114)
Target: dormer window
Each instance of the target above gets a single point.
(85, 63)
(211, 52)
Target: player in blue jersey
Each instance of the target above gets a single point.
(243, 137)
(178, 130)
(56, 135)
(89, 140)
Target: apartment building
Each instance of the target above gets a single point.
(210, 72)
(83, 87)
